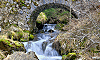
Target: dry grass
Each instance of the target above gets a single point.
(83, 34)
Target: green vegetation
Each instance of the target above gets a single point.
(50, 12)
(15, 35)
(41, 18)
(54, 14)
(26, 31)
(9, 43)
(18, 44)
(69, 56)
(23, 40)
(31, 37)
(59, 26)
(1, 57)
(6, 42)
(20, 35)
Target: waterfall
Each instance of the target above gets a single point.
(43, 46)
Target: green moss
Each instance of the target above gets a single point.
(92, 49)
(22, 1)
(59, 26)
(63, 13)
(41, 18)
(10, 45)
(50, 12)
(13, 25)
(15, 35)
(73, 0)
(18, 44)
(1, 57)
(64, 57)
(12, 37)
(6, 41)
(23, 40)
(96, 52)
(19, 35)
(39, 22)
(0, 2)
(26, 31)
(99, 13)
(69, 56)
(31, 37)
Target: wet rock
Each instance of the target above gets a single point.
(44, 44)
(32, 54)
(20, 56)
(57, 46)
(51, 31)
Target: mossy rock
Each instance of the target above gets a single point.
(69, 56)
(15, 35)
(31, 37)
(26, 31)
(41, 18)
(10, 45)
(20, 35)
(23, 40)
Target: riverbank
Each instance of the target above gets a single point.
(77, 37)
(80, 36)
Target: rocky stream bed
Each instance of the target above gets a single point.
(77, 34)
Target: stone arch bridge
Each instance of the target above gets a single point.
(41, 5)
(38, 6)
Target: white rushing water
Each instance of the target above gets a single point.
(43, 46)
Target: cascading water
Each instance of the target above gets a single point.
(43, 46)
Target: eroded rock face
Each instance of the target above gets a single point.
(7, 46)
(22, 56)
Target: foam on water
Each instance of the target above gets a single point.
(43, 46)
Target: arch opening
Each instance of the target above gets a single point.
(41, 10)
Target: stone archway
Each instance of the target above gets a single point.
(39, 9)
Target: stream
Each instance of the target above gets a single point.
(43, 46)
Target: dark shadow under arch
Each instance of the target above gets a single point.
(39, 9)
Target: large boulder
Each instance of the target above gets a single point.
(18, 34)
(22, 56)
(9, 46)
